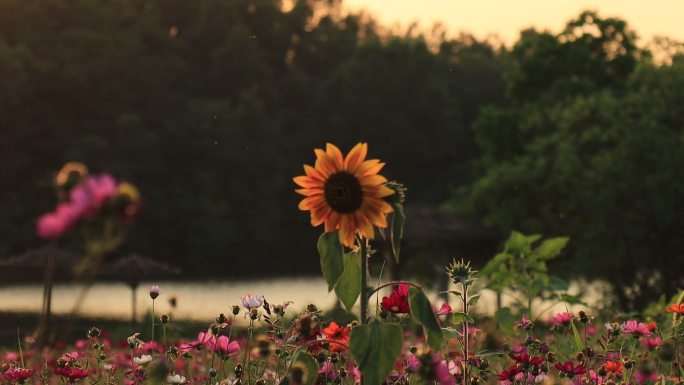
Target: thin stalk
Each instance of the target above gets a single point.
(152, 319)
(364, 281)
(465, 336)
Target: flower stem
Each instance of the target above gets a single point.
(152, 319)
(465, 335)
(364, 281)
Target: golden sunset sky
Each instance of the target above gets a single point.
(507, 17)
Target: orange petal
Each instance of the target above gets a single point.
(309, 191)
(364, 225)
(314, 173)
(355, 157)
(333, 222)
(369, 167)
(306, 181)
(325, 163)
(335, 154)
(373, 180)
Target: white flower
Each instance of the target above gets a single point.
(143, 359)
(541, 377)
(249, 301)
(176, 379)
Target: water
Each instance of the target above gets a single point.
(206, 299)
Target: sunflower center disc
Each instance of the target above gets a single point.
(343, 192)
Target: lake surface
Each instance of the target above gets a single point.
(205, 300)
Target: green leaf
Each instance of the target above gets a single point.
(331, 251)
(375, 347)
(458, 317)
(473, 300)
(398, 219)
(305, 364)
(450, 333)
(550, 248)
(421, 312)
(505, 319)
(578, 340)
(348, 286)
(570, 299)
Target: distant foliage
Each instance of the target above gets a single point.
(590, 145)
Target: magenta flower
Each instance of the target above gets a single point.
(562, 319)
(524, 323)
(412, 364)
(19, 374)
(444, 310)
(637, 329)
(441, 371)
(58, 222)
(197, 344)
(651, 343)
(222, 346)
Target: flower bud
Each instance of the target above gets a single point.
(236, 309)
(154, 292)
(93, 332)
(164, 318)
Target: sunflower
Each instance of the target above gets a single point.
(345, 193)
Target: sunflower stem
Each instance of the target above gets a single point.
(364, 280)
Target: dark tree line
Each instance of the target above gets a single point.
(211, 106)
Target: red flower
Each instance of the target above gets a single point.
(525, 360)
(19, 374)
(337, 333)
(569, 368)
(509, 375)
(676, 308)
(614, 367)
(71, 373)
(397, 302)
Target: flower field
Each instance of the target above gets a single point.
(403, 338)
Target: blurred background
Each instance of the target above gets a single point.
(559, 118)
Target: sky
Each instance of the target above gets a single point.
(506, 18)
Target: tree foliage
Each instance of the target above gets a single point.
(211, 106)
(591, 145)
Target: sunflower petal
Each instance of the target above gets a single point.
(314, 173)
(369, 167)
(356, 157)
(336, 155)
(373, 180)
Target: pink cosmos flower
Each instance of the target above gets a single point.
(441, 371)
(57, 223)
(651, 343)
(562, 319)
(327, 369)
(412, 363)
(197, 344)
(223, 346)
(643, 377)
(524, 323)
(444, 310)
(637, 329)
(252, 301)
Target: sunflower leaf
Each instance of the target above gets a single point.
(422, 313)
(375, 347)
(398, 219)
(348, 286)
(332, 264)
